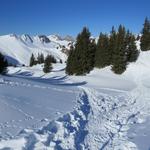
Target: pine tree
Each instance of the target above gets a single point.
(119, 54)
(47, 64)
(132, 52)
(81, 49)
(60, 61)
(32, 60)
(79, 60)
(40, 58)
(112, 43)
(91, 55)
(3, 64)
(103, 55)
(145, 39)
(70, 61)
(138, 37)
(52, 59)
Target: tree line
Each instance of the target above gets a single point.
(48, 60)
(117, 50)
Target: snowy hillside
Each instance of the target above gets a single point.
(100, 111)
(18, 49)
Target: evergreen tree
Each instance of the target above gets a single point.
(132, 52)
(80, 58)
(112, 43)
(52, 59)
(40, 58)
(81, 49)
(116, 50)
(60, 61)
(145, 39)
(47, 64)
(103, 55)
(3, 64)
(119, 54)
(91, 55)
(138, 37)
(32, 60)
(70, 61)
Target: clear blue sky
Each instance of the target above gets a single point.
(69, 16)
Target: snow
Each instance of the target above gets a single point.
(25, 101)
(100, 111)
(140, 134)
(18, 49)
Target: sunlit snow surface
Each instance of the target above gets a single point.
(100, 111)
(25, 101)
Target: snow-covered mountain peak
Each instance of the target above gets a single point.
(13, 35)
(55, 37)
(19, 48)
(26, 38)
(44, 39)
(9, 36)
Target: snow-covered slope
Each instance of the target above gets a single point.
(18, 49)
(60, 112)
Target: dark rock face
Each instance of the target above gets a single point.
(44, 39)
(27, 38)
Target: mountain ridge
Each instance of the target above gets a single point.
(19, 48)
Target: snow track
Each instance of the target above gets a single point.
(57, 112)
(26, 102)
(99, 122)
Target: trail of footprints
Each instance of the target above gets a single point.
(17, 124)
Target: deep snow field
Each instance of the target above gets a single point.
(100, 111)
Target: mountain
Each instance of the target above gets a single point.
(18, 49)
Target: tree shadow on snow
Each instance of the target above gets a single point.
(56, 80)
(25, 73)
